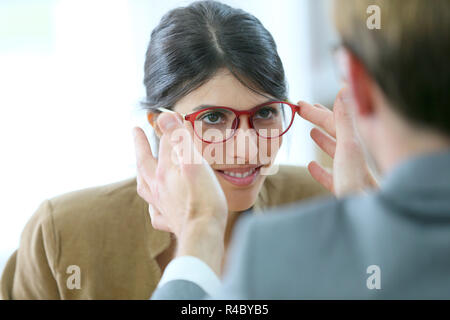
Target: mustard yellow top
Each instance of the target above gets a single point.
(106, 232)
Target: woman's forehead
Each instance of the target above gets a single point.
(221, 90)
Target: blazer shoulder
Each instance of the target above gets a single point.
(113, 214)
(85, 215)
(290, 184)
(97, 203)
(88, 196)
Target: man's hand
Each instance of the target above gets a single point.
(350, 171)
(183, 193)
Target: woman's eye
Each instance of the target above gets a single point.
(265, 113)
(212, 117)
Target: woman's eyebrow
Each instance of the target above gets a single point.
(204, 106)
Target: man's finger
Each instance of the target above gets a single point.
(318, 116)
(142, 188)
(324, 141)
(321, 175)
(173, 132)
(321, 106)
(179, 149)
(345, 127)
(145, 161)
(168, 122)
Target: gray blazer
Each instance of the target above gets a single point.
(389, 244)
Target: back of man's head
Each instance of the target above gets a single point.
(408, 57)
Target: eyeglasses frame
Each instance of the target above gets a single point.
(192, 117)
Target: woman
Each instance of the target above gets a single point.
(215, 65)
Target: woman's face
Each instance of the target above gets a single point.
(237, 162)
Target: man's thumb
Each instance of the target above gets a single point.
(343, 115)
(169, 122)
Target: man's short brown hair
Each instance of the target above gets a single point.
(408, 56)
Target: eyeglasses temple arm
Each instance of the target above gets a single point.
(162, 109)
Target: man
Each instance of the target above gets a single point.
(390, 243)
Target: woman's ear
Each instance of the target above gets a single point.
(152, 117)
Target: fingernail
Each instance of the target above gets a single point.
(167, 121)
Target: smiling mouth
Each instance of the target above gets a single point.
(240, 176)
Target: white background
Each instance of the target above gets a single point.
(71, 76)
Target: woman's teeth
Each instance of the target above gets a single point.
(239, 174)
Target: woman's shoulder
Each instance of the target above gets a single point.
(97, 201)
(114, 211)
(98, 207)
(79, 217)
(289, 183)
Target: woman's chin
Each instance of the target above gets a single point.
(238, 207)
(239, 200)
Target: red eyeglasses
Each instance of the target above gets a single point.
(218, 124)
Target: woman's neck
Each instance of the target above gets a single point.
(231, 221)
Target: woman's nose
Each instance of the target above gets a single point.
(244, 148)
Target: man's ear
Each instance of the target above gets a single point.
(361, 86)
(152, 117)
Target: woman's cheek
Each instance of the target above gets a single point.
(215, 153)
(211, 152)
(268, 149)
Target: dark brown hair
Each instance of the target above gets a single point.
(192, 43)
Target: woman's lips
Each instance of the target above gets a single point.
(240, 176)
